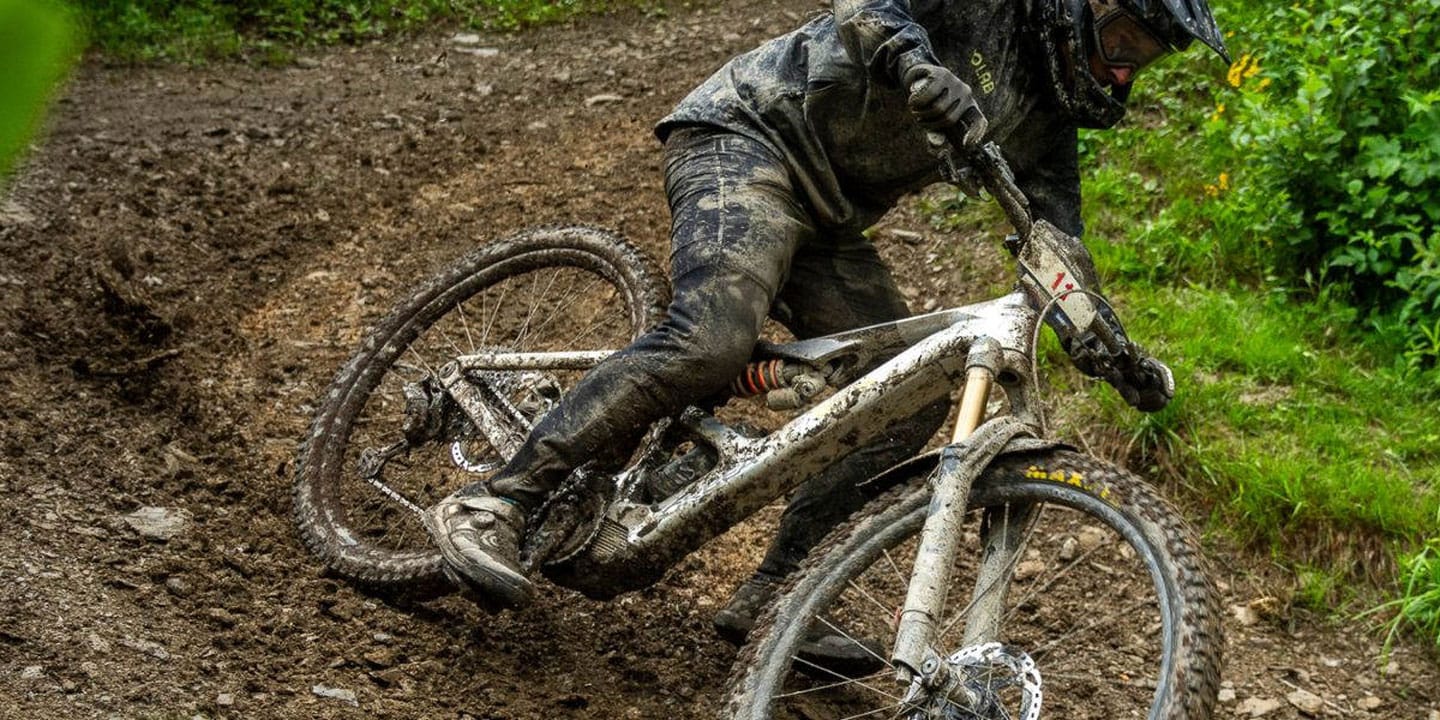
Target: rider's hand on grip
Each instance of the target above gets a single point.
(941, 101)
(1145, 383)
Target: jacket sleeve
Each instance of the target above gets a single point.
(1051, 180)
(884, 36)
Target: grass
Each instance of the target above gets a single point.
(37, 46)
(1303, 420)
(270, 30)
(1292, 424)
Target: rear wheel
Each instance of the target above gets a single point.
(388, 441)
(1108, 598)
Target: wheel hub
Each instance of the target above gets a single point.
(980, 681)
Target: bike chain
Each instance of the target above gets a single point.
(501, 384)
(372, 461)
(457, 456)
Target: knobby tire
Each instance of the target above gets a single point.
(320, 508)
(1189, 679)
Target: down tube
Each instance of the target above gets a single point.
(765, 469)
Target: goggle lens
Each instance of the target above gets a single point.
(1123, 41)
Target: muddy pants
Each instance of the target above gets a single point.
(743, 247)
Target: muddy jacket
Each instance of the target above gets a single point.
(828, 97)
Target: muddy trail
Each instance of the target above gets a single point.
(189, 255)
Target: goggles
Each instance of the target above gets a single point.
(1122, 39)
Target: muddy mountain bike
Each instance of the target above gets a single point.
(998, 575)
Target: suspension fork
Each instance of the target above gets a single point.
(960, 464)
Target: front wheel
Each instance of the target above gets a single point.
(1109, 612)
(387, 439)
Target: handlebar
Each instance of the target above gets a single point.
(1046, 274)
(964, 165)
(1045, 256)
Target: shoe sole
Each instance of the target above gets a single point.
(497, 588)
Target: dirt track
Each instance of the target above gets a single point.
(190, 255)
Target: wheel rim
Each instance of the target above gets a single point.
(1086, 604)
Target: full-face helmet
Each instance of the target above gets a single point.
(1119, 37)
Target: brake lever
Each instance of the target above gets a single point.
(982, 165)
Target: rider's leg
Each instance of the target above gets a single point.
(735, 226)
(834, 285)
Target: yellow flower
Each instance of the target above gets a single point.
(1237, 70)
(1221, 185)
(1264, 83)
(1219, 110)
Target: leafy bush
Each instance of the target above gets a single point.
(37, 46)
(1327, 146)
(1274, 225)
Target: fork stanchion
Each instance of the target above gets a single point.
(940, 538)
(972, 402)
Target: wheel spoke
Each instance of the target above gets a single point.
(888, 611)
(469, 340)
(490, 324)
(534, 308)
(1108, 619)
(1040, 585)
(532, 289)
(845, 680)
(847, 636)
(1006, 574)
(566, 303)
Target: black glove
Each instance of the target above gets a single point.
(941, 101)
(1145, 383)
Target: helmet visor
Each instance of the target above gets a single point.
(1123, 40)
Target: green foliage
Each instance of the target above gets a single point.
(198, 29)
(37, 45)
(1418, 605)
(1288, 419)
(1331, 130)
(1272, 229)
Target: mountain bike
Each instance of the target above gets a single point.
(999, 573)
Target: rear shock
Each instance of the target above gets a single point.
(759, 377)
(786, 386)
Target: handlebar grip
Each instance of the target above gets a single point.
(970, 131)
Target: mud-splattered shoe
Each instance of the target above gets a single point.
(826, 651)
(479, 537)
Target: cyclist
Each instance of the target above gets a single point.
(773, 168)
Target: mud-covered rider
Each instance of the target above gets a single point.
(774, 167)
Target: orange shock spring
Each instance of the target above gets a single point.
(759, 377)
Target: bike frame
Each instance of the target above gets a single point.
(929, 356)
(921, 361)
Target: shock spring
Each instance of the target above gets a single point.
(759, 377)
